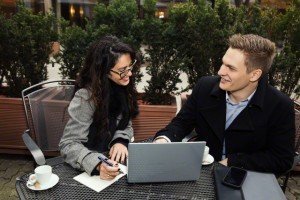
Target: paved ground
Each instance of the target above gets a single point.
(293, 188)
(12, 166)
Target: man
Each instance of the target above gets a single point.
(245, 122)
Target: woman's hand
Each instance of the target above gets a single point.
(118, 152)
(108, 172)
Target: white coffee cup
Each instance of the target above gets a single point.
(42, 174)
(205, 154)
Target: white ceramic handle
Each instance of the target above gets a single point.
(31, 180)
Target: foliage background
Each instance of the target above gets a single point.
(25, 45)
(192, 40)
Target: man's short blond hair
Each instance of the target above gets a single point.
(259, 51)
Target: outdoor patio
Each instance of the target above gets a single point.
(13, 166)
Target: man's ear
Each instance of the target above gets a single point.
(255, 75)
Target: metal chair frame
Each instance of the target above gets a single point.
(34, 149)
(297, 147)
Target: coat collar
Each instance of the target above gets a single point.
(258, 97)
(217, 91)
(215, 112)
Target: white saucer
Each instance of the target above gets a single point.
(53, 181)
(209, 160)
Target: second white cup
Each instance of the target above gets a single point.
(206, 152)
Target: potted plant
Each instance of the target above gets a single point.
(26, 41)
(159, 105)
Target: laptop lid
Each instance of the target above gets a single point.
(176, 161)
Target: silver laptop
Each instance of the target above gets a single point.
(176, 161)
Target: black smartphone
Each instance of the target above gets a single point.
(235, 177)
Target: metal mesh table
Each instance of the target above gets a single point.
(68, 188)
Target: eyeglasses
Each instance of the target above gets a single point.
(124, 72)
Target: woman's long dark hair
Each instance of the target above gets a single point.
(101, 57)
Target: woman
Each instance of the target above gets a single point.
(101, 109)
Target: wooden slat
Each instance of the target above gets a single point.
(12, 123)
(151, 119)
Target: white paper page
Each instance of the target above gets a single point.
(97, 184)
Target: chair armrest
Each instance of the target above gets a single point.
(34, 149)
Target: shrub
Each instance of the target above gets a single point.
(285, 72)
(118, 18)
(5, 48)
(284, 30)
(193, 40)
(27, 49)
(194, 33)
(121, 19)
(161, 58)
(74, 42)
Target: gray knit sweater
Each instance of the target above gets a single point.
(81, 111)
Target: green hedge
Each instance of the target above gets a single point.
(25, 44)
(192, 40)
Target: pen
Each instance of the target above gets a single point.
(105, 160)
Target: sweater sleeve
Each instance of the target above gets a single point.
(125, 135)
(81, 111)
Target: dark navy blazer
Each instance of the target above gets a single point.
(261, 137)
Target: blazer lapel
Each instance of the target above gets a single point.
(244, 121)
(215, 112)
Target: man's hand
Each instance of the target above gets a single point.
(160, 140)
(108, 172)
(224, 162)
(118, 152)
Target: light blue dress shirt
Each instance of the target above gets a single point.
(232, 111)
